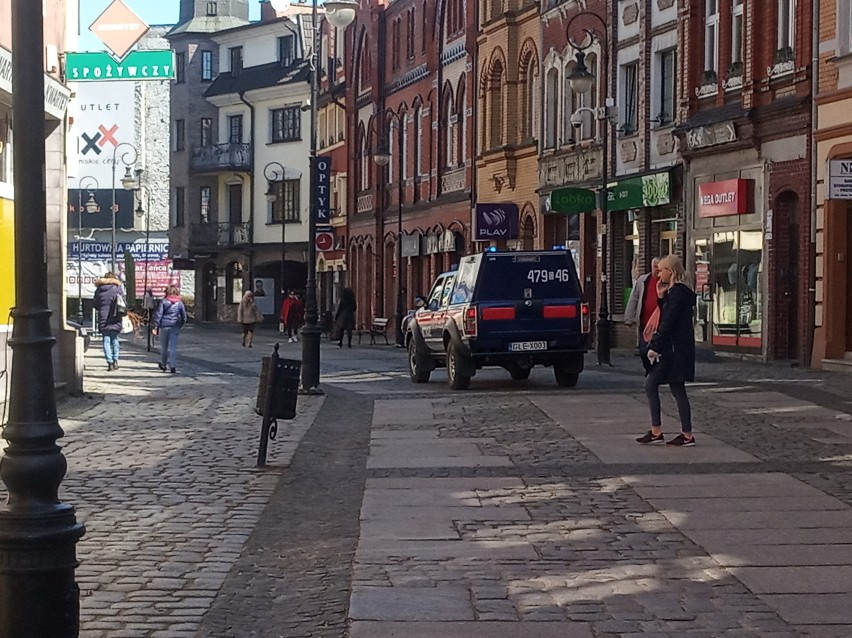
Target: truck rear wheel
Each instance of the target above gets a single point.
(565, 375)
(454, 364)
(415, 368)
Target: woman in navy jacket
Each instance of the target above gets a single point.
(671, 352)
(169, 319)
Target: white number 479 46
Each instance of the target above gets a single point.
(542, 275)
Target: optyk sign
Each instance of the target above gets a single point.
(496, 222)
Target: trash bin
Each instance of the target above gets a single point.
(285, 387)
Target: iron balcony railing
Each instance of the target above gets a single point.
(221, 157)
(207, 236)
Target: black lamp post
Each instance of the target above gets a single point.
(382, 157)
(339, 13)
(147, 295)
(91, 206)
(39, 597)
(581, 82)
(274, 173)
(128, 182)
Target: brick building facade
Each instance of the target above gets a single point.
(415, 106)
(745, 140)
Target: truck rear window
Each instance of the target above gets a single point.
(527, 276)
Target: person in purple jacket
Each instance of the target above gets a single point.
(169, 319)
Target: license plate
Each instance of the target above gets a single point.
(527, 346)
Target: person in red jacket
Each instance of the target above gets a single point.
(292, 315)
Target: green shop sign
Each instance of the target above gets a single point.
(101, 66)
(573, 200)
(639, 192)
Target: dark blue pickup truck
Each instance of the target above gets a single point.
(514, 310)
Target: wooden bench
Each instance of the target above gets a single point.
(378, 328)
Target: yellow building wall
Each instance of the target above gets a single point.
(7, 259)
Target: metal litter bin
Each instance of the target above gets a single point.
(284, 386)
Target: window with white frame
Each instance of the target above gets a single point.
(786, 27)
(461, 127)
(551, 97)
(365, 164)
(450, 121)
(392, 139)
(567, 106)
(737, 39)
(630, 101)
(286, 124)
(666, 91)
(711, 37)
(286, 204)
(403, 148)
(588, 100)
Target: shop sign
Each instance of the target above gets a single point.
(573, 200)
(119, 28)
(156, 64)
(56, 94)
(411, 245)
(840, 179)
(640, 192)
(728, 197)
(496, 222)
(322, 192)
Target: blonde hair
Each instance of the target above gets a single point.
(673, 263)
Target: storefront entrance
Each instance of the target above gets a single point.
(729, 289)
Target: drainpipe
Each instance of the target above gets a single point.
(243, 99)
(815, 16)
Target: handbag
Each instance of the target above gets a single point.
(120, 304)
(126, 325)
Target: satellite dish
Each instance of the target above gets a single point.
(280, 6)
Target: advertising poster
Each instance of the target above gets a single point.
(90, 265)
(264, 294)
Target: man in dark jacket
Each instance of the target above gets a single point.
(109, 321)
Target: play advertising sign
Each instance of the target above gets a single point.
(138, 65)
(496, 222)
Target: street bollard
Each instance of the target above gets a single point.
(277, 393)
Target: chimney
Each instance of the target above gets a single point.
(267, 11)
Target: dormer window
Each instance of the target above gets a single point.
(236, 54)
(286, 50)
(211, 9)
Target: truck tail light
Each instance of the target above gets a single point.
(585, 318)
(498, 314)
(470, 322)
(560, 312)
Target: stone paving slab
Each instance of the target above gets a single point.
(815, 609)
(748, 504)
(390, 461)
(759, 521)
(361, 629)
(376, 549)
(741, 555)
(443, 602)
(613, 438)
(824, 579)
(447, 484)
(409, 528)
(716, 538)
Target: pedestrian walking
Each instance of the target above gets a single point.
(168, 320)
(248, 315)
(642, 304)
(671, 352)
(111, 308)
(344, 318)
(292, 316)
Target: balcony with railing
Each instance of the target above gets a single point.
(226, 235)
(221, 157)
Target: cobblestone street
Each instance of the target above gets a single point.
(514, 509)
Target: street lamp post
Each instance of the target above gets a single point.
(274, 173)
(39, 597)
(91, 206)
(581, 82)
(128, 182)
(142, 211)
(382, 157)
(339, 13)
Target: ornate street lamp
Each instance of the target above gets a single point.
(128, 183)
(382, 157)
(581, 82)
(274, 173)
(91, 206)
(340, 13)
(39, 597)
